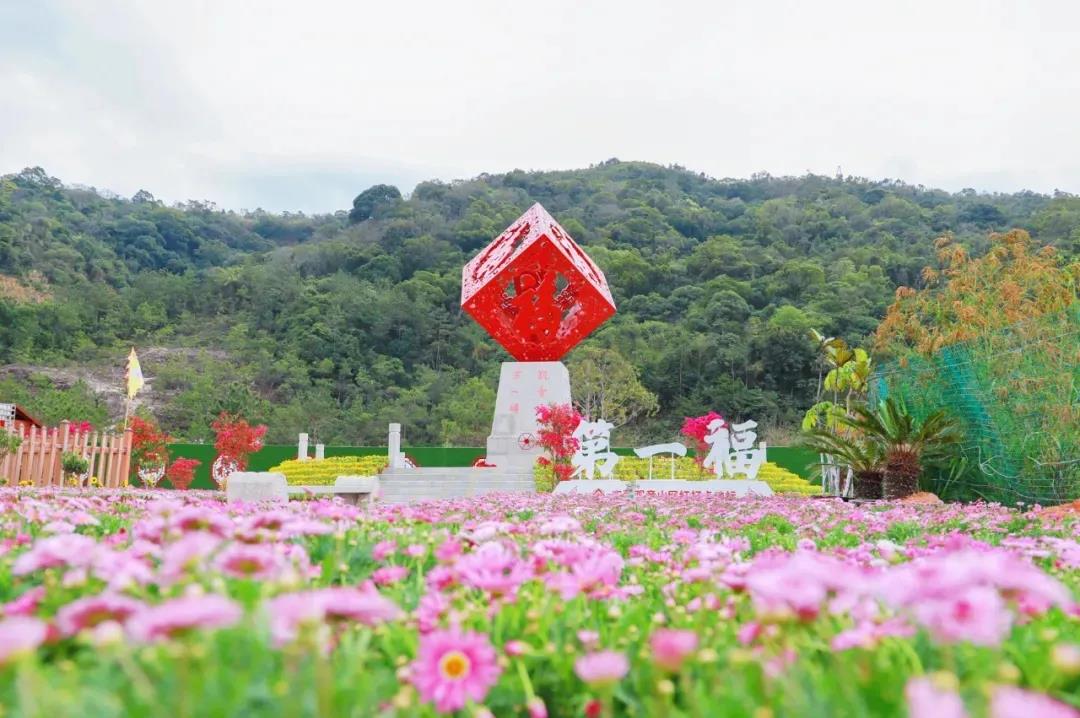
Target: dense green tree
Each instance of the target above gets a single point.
(339, 324)
(605, 385)
(371, 200)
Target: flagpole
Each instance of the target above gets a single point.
(127, 390)
(130, 384)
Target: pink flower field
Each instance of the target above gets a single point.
(158, 603)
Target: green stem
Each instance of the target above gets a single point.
(913, 657)
(324, 686)
(140, 681)
(526, 682)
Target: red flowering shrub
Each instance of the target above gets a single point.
(74, 427)
(182, 472)
(148, 444)
(555, 436)
(236, 439)
(696, 428)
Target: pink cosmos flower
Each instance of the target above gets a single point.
(671, 647)
(453, 667)
(601, 668)
(191, 519)
(927, 700)
(448, 550)
(432, 606)
(493, 567)
(291, 612)
(180, 615)
(24, 605)
(748, 633)
(595, 573)
(383, 550)
(796, 585)
(89, 612)
(20, 635)
(977, 614)
(867, 634)
(589, 639)
(1013, 702)
(441, 578)
(559, 525)
(359, 605)
(122, 569)
(187, 555)
(54, 551)
(388, 575)
(537, 708)
(260, 562)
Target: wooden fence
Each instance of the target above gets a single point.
(39, 459)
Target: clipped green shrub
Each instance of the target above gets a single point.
(323, 472)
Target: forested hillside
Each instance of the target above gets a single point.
(339, 324)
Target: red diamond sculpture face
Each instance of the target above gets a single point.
(534, 290)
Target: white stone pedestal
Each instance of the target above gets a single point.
(522, 387)
(250, 486)
(354, 488)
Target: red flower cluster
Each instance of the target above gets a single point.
(696, 428)
(236, 439)
(148, 443)
(555, 435)
(74, 427)
(182, 472)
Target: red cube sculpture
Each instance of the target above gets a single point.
(534, 290)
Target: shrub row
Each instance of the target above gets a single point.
(323, 472)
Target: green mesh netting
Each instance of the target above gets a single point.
(1017, 395)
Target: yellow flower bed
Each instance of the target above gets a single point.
(323, 472)
(632, 468)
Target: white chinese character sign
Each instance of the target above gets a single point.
(730, 452)
(594, 450)
(731, 449)
(648, 452)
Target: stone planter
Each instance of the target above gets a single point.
(256, 486)
(221, 469)
(151, 475)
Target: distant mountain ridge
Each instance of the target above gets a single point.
(339, 323)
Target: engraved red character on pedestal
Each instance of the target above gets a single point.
(534, 290)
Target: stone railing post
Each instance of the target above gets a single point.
(394, 446)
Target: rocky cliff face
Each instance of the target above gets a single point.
(109, 382)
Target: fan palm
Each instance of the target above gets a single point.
(903, 440)
(862, 455)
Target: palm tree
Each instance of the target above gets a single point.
(861, 454)
(904, 441)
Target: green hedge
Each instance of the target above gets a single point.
(793, 459)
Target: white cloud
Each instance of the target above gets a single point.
(301, 105)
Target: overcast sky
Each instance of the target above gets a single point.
(300, 105)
